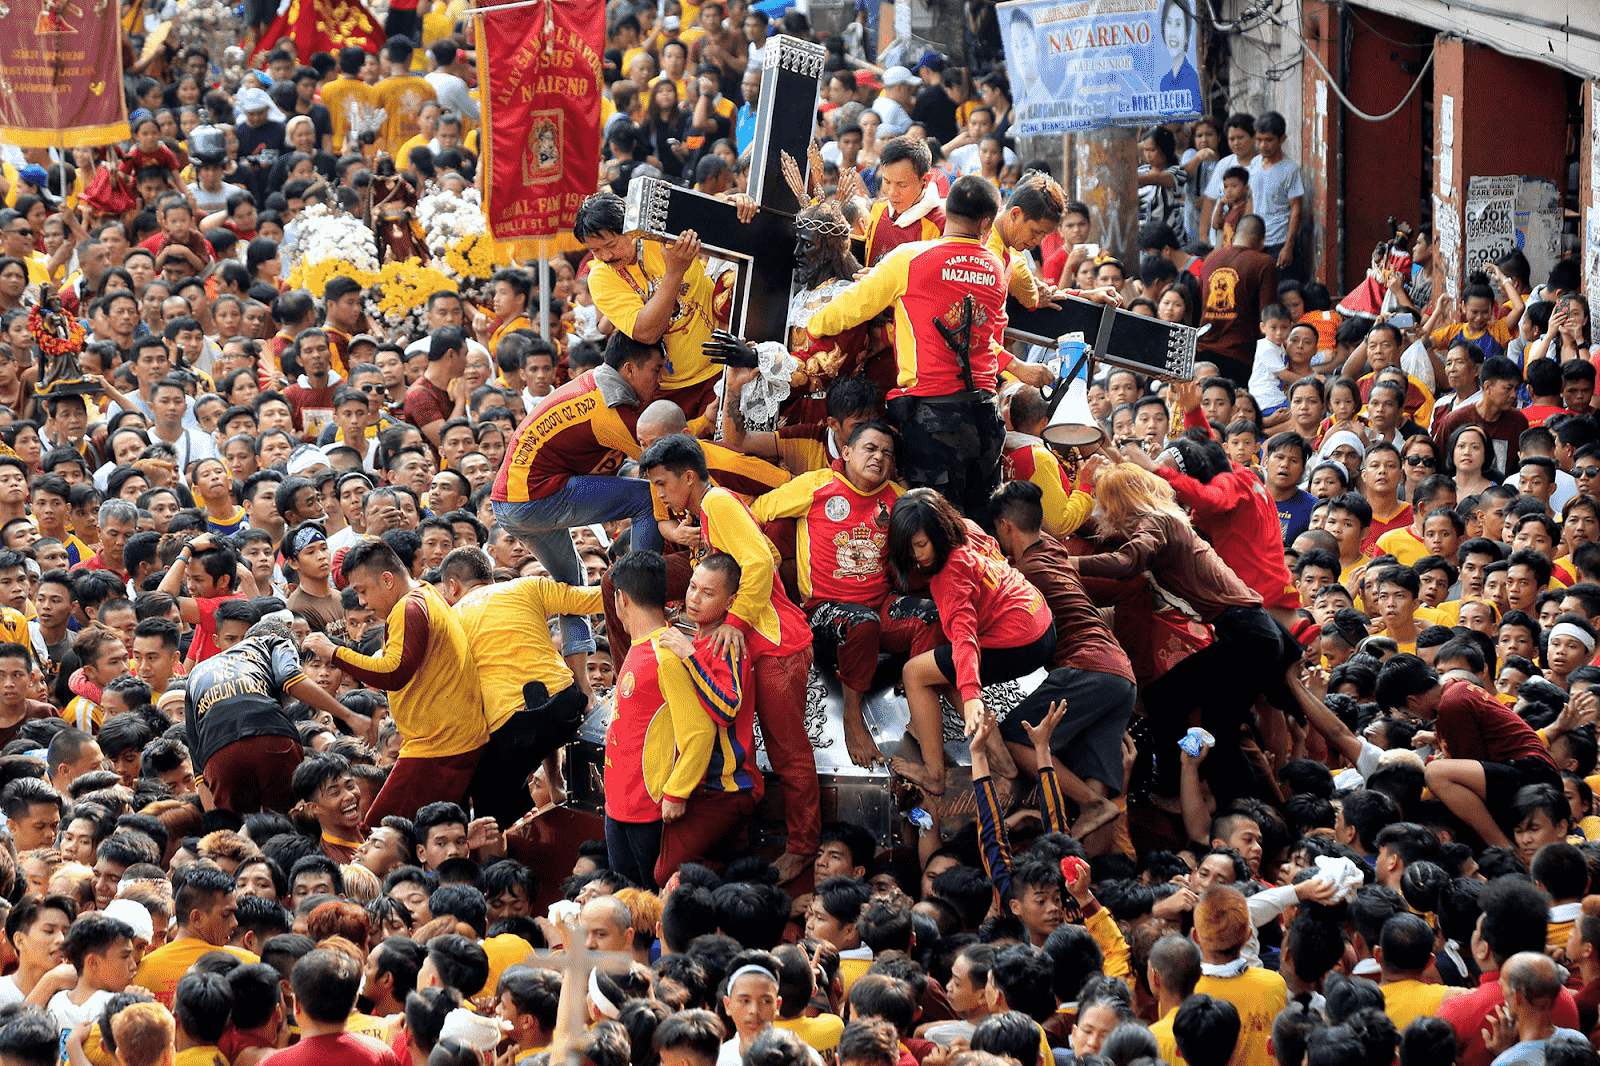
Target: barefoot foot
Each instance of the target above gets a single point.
(925, 777)
(791, 866)
(859, 743)
(1094, 816)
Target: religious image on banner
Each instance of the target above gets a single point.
(543, 162)
(61, 65)
(539, 80)
(1101, 63)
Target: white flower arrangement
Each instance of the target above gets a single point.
(210, 24)
(456, 234)
(326, 234)
(447, 217)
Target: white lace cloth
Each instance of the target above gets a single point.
(763, 394)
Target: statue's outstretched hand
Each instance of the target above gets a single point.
(725, 348)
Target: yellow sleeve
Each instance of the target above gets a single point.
(791, 500)
(1112, 945)
(552, 597)
(1079, 506)
(692, 728)
(615, 298)
(864, 299)
(734, 531)
(1024, 286)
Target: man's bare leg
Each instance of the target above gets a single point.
(1461, 785)
(857, 738)
(1095, 810)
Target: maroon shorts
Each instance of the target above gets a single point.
(693, 398)
(415, 783)
(253, 774)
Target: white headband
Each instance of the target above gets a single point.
(602, 1002)
(1567, 629)
(749, 968)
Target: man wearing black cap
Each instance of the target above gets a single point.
(934, 109)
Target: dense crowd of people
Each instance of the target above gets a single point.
(298, 614)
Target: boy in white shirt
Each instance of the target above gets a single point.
(1266, 388)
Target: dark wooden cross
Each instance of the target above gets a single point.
(763, 248)
(1119, 338)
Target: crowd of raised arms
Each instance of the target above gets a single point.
(298, 615)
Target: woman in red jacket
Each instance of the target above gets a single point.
(1230, 506)
(1000, 627)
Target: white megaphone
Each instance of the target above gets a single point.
(1071, 425)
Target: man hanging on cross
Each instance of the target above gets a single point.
(1031, 213)
(655, 293)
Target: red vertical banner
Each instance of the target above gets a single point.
(539, 87)
(61, 70)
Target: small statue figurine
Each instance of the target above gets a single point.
(1391, 258)
(60, 338)
(393, 214)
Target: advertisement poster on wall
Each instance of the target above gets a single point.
(1094, 63)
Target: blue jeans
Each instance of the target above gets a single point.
(543, 525)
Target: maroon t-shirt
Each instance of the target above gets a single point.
(340, 1050)
(1504, 433)
(1474, 725)
(427, 403)
(1235, 284)
(1083, 640)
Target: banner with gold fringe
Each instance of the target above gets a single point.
(61, 74)
(539, 79)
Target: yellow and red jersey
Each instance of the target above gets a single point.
(428, 669)
(502, 328)
(343, 97)
(659, 742)
(761, 610)
(1022, 284)
(509, 652)
(722, 683)
(746, 476)
(886, 231)
(806, 447)
(841, 537)
(401, 98)
(925, 282)
(584, 427)
(1027, 459)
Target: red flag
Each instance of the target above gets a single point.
(539, 82)
(61, 65)
(324, 26)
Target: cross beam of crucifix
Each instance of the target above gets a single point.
(763, 248)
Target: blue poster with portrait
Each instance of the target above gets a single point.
(1080, 66)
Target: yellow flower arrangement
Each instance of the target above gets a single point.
(472, 257)
(314, 277)
(403, 289)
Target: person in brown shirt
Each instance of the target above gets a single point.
(1088, 669)
(1251, 651)
(1236, 283)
